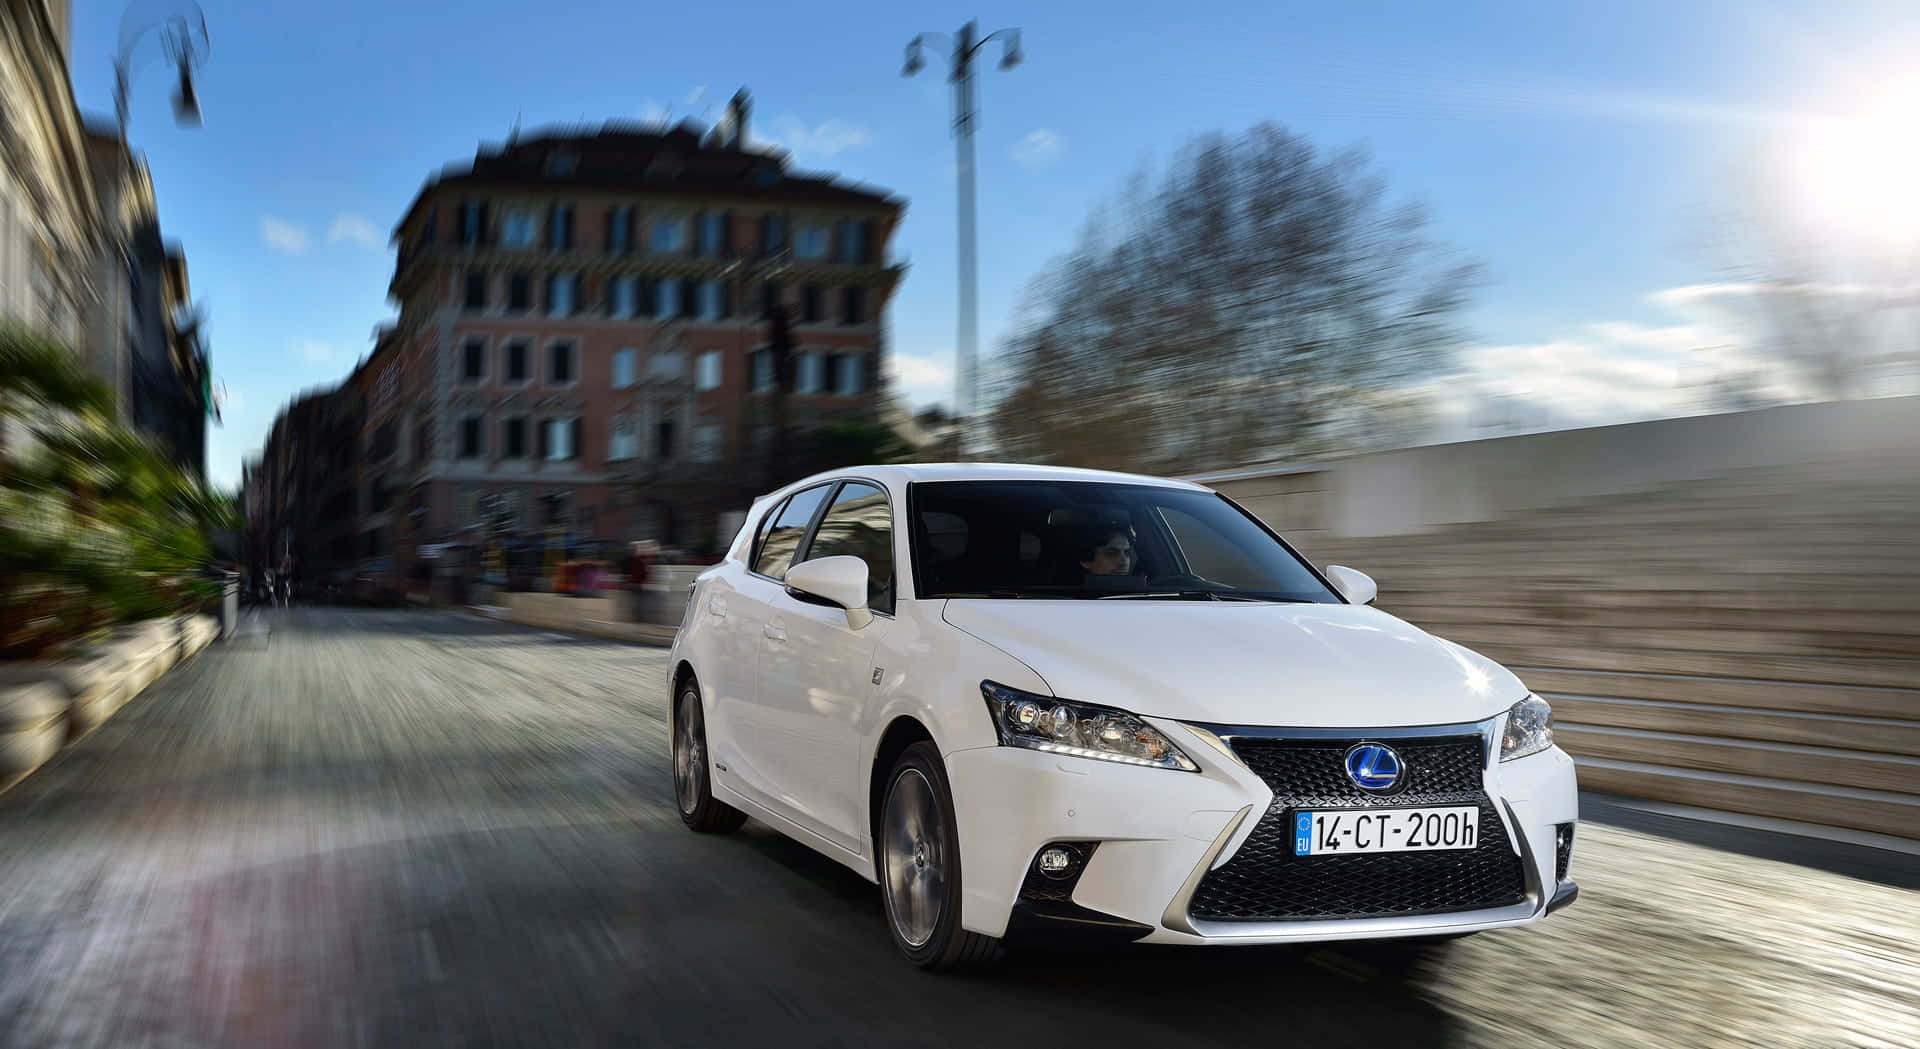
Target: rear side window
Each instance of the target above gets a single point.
(774, 551)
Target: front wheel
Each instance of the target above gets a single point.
(692, 771)
(920, 866)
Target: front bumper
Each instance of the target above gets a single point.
(1160, 833)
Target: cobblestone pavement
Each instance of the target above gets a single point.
(421, 829)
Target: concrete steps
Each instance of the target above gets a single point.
(1877, 812)
(1748, 643)
(1839, 732)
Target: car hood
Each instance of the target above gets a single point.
(1296, 665)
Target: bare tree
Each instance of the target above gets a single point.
(1259, 299)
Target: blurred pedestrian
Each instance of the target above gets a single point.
(640, 555)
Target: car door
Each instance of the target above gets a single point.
(817, 672)
(767, 768)
(729, 664)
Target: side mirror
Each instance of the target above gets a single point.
(839, 580)
(1357, 587)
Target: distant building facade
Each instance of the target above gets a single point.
(81, 255)
(583, 337)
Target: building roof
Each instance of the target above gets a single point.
(624, 156)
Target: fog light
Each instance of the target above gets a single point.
(1055, 861)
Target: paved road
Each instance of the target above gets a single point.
(419, 829)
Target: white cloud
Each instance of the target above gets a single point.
(312, 351)
(823, 139)
(919, 379)
(695, 96)
(1618, 371)
(281, 235)
(1041, 147)
(357, 229)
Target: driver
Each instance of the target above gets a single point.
(1106, 551)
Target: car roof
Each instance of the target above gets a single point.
(907, 473)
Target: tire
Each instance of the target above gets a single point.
(918, 847)
(693, 770)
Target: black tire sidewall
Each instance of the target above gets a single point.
(924, 758)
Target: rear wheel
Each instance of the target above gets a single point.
(692, 771)
(920, 866)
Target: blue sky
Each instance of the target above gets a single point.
(1568, 147)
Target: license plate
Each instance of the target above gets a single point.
(1349, 831)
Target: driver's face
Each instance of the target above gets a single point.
(1114, 557)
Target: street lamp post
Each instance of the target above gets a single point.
(183, 39)
(966, 44)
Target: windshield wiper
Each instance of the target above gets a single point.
(1207, 595)
(974, 594)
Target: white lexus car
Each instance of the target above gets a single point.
(1038, 703)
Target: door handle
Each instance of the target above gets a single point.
(775, 631)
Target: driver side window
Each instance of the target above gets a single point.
(860, 523)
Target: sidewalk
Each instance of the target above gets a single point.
(594, 616)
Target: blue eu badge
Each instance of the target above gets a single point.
(1303, 834)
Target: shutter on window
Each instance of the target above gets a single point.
(689, 298)
(579, 438)
(540, 442)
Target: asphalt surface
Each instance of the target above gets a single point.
(427, 829)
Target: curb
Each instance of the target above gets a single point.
(46, 705)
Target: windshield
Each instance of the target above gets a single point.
(1094, 540)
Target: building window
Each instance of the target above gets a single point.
(422, 441)
(517, 352)
(666, 298)
(471, 445)
(560, 228)
(769, 298)
(853, 305)
(476, 290)
(431, 227)
(713, 300)
(707, 376)
(562, 162)
(853, 240)
(473, 224)
(667, 365)
(773, 234)
(562, 292)
(810, 242)
(669, 235)
(811, 303)
(847, 374)
(689, 298)
(623, 440)
(561, 439)
(517, 228)
(519, 293)
(560, 363)
(379, 496)
(557, 508)
(625, 361)
(513, 438)
(812, 373)
(713, 234)
(473, 360)
(663, 440)
(620, 230)
(706, 442)
(760, 368)
(623, 297)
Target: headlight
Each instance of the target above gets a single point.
(1529, 729)
(1079, 729)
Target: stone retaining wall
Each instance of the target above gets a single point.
(44, 705)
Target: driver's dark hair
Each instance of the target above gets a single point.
(1092, 537)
